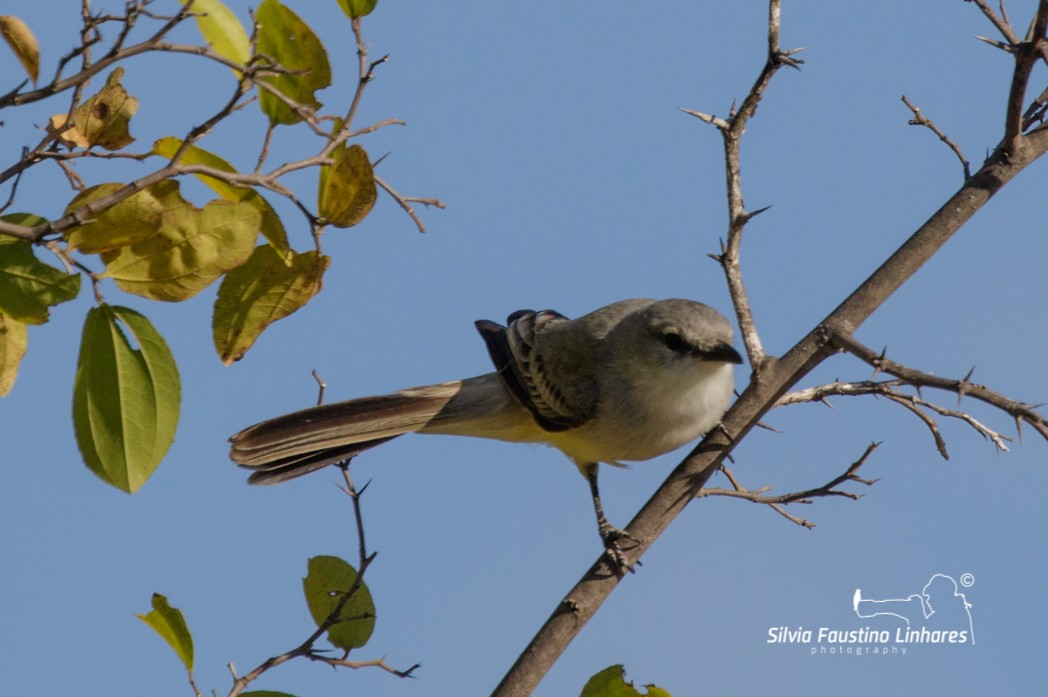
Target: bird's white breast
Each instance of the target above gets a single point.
(663, 412)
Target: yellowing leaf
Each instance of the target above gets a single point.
(347, 190)
(168, 622)
(21, 40)
(289, 42)
(260, 292)
(357, 8)
(132, 220)
(69, 136)
(271, 227)
(221, 28)
(29, 287)
(101, 120)
(125, 399)
(192, 248)
(13, 341)
(328, 581)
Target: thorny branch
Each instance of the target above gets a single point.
(773, 377)
(776, 503)
(1027, 51)
(731, 130)
(890, 390)
(1022, 412)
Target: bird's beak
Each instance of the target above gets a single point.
(722, 352)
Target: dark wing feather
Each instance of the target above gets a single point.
(512, 350)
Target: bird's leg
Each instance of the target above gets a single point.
(609, 534)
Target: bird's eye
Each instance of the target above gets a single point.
(673, 341)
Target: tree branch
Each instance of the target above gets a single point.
(920, 119)
(1020, 411)
(774, 378)
(776, 503)
(731, 130)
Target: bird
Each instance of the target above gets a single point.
(627, 382)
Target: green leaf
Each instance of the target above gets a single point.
(292, 45)
(222, 30)
(357, 8)
(28, 287)
(327, 582)
(265, 289)
(134, 219)
(22, 41)
(271, 227)
(611, 682)
(347, 190)
(13, 341)
(171, 626)
(26, 219)
(192, 248)
(126, 397)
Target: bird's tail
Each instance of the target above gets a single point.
(299, 443)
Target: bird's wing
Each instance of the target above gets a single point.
(524, 371)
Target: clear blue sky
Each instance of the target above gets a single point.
(572, 180)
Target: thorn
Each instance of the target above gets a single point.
(708, 118)
(1007, 48)
(964, 386)
(748, 216)
(877, 363)
(786, 58)
(826, 402)
(766, 427)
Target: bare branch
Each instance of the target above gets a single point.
(920, 119)
(373, 663)
(773, 379)
(1019, 410)
(889, 390)
(731, 130)
(90, 69)
(776, 503)
(999, 21)
(406, 201)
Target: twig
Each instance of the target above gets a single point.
(999, 21)
(888, 389)
(1020, 411)
(406, 201)
(776, 503)
(919, 119)
(373, 663)
(731, 130)
(93, 68)
(321, 387)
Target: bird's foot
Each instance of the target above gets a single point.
(612, 537)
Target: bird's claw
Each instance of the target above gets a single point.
(611, 537)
